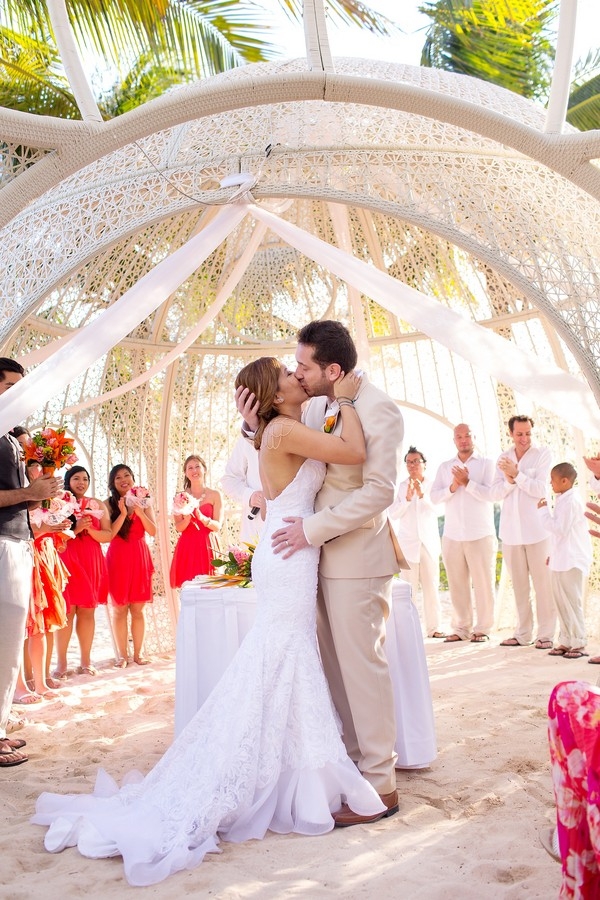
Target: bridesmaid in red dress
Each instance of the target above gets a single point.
(129, 564)
(87, 586)
(193, 551)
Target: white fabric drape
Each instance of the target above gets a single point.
(545, 384)
(97, 338)
(193, 334)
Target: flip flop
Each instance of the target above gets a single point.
(12, 758)
(452, 639)
(141, 661)
(87, 670)
(15, 723)
(437, 634)
(120, 663)
(62, 676)
(511, 642)
(574, 654)
(54, 683)
(543, 645)
(27, 699)
(479, 638)
(549, 841)
(14, 743)
(558, 651)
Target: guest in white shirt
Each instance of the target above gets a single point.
(469, 538)
(520, 482)
(415, 521)
(569, 561)
(241, 482)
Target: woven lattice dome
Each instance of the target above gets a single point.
(446, 183)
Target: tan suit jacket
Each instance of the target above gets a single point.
(350, 522)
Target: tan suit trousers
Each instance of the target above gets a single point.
(466, 562)
(351, 629)
(523, 561)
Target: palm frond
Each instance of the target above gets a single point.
(584, 105)
(507, 43)
(31, 79)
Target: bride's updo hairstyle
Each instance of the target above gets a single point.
(261, 377)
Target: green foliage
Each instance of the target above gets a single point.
(584, 102)
(506, 42)
(31, 79)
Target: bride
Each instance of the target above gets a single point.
(264, 751)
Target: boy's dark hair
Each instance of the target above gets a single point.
(331, 343)
(565, 470)
(412, 450)
(513, 419)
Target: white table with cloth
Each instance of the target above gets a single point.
(214, 621)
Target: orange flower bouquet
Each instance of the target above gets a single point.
(51, 448)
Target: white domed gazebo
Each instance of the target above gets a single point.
(451, 224)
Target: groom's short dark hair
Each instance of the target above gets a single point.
(331, 343)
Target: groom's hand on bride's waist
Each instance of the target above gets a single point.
(289, 539)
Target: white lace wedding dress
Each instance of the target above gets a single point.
(263, 752)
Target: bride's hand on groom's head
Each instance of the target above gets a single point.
(247, 406)
(347, 385)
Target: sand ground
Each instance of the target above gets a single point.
(467, 827)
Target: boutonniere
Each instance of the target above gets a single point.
(329, 423)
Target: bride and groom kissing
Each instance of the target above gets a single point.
(264, 752)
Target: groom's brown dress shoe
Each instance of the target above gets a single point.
(346, 816)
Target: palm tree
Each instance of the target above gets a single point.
(151, 44)
(508, 44)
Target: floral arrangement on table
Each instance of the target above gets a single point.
(59, 509)
(51, 448)
(237, 568)
(184, 504)
(138, 496)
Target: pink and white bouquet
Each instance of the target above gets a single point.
(139, 497)
(87, 507)
(184, 504)
(60, 508)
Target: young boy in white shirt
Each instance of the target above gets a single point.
(569, 561)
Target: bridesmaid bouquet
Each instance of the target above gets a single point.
(89, 508)
(184, 504)
(61, 508)
(237, 568)
(138, 496)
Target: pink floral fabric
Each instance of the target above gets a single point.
(574, 736)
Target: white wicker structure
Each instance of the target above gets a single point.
(445, 183)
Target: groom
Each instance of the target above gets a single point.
(359, 556)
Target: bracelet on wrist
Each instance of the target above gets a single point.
(345, 403)
(349, 399)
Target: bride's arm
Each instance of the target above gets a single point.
(298, 440)
(347, 448)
